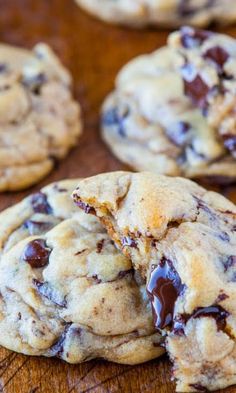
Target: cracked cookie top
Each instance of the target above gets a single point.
(167, 13)
(66, 290)
(39, 119)
(182, 239)
(173, 111)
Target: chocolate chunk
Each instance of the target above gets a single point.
(229, 262)
(86, 207)
(164, 287)
(36, 253)
(217, 312)
(191, 37)
(57, 349)
(34, 83)
(178, 132)
(40, 203)
(113, 118)
(218, 55)
(44, 289)
(37, 227)
(194, 86)
(100, 246)
(128, 242)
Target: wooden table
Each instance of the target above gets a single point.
(94, 52)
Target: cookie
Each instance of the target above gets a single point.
(173, 111)
(182, 240)
(162, 13)
(39, 119)
(66, 290)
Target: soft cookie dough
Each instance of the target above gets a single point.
(182, 240)
(66, 290)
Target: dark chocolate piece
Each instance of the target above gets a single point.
(36, 253)
(40, 203)
(218, 55)
(192, 37)
(37, 227)
(217, 312)
(194, 86)
(86, 207)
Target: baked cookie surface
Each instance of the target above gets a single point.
(165, 13)
(182, 239)
(173, 111)
(39, 120)
(66, 290)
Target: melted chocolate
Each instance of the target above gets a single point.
(164, 287)
(40, 203)
(86, 207)
(36, 253)
(178, 132)
(191, 37)
(218, 55)
(217, 312)
(44, 289)
(194, 86)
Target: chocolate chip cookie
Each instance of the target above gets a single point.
(182, 240)
(167, 13)
(39, 120)
(66, 290)
(173, 111)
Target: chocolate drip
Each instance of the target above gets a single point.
(164, 287)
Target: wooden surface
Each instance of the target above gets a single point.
(94, 52)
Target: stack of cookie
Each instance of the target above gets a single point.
(122, 265)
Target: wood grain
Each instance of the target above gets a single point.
(94, 52)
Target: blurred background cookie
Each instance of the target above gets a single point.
(173, 111)
(39, 120)
(163, 13)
